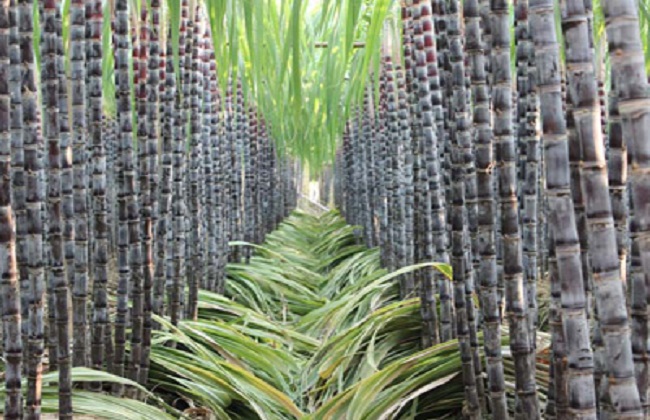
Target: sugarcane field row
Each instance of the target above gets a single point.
(324, 210)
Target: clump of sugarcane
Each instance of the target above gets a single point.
(360, 163)
(208, 278)
(461, 257)
(430, 222)
(339, 179)
(617, 176)
(67, 204)
(238, 214)
(109, 131)
(176, 289)
(366, 141)
(79, 213)
(225, 163)
(382, 169)
(18, 176)
(35, 196)
(247, 173)
(227, 167)
(264, 177)
(349, 197)
(248, 220)
(195, 233)
(91, 165)
(9, 285)
(582, 194)
(254, 177)
(220, 195)
(165, 240)
(407, 109)
(426, 175)
(432, 149)
(395, 206)
(487, 272)
(529, 140)
(375, 177)
(128, 248)
(18, 187)
(405, 247)
(140, 266)
(57, 281)
(99, 353)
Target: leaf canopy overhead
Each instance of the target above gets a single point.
(305, 63)
(304, 91)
